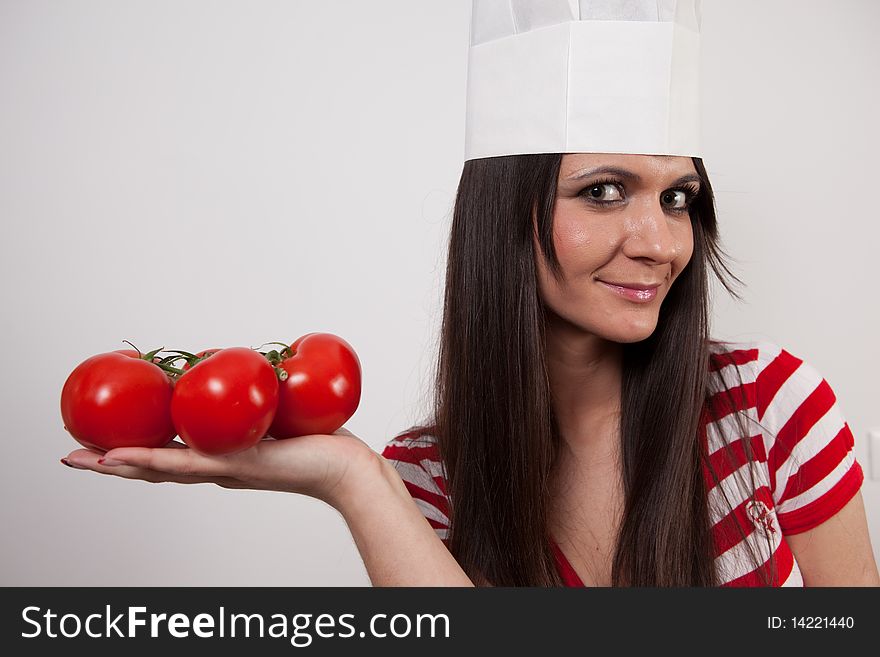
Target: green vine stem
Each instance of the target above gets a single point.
(133, 347)
(287, 352)
(162, 363)
(169, 368)
(274, 357)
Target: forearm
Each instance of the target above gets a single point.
(395, 541)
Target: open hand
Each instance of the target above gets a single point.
(316, 465)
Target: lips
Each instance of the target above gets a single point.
(632, 291)
(633, 286)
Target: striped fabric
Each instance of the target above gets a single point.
(804, 467)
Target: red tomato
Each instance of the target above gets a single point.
(201, 354)
(116, 400)
(225, 403)
(323, 387)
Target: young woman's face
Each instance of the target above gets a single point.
(622, 234)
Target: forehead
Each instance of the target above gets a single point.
(643, 165)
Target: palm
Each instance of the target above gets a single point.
(312, 465)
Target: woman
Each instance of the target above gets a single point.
(583, 416)
(585, 457)
(585, 429)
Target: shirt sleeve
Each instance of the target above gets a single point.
(416, 461)
(813, 469)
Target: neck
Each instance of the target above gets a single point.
(585, 376)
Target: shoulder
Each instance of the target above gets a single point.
(784, 393)
(749, 358)
(775, 380)
(415, 455)
(779, 393)
(735, 372)
(412, 446)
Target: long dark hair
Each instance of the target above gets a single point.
(493, 419)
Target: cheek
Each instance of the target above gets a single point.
(568, 233)
(685, 250)
(581, 245)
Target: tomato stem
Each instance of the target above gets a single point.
(282, 344)
(169, 368)
(152, 354)
(284, 353)
(140, 354)
(178, 351)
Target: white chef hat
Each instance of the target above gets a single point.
(583, 76)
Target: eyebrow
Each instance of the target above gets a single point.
(629, 175)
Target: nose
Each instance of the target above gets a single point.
(650, 238)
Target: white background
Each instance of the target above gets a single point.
(195, 174)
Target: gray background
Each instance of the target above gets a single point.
(199, 174)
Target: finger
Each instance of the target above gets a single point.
(84, 459)
(75, 456)
(175, 461)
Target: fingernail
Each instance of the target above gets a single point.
(104, 461)
(72, 465)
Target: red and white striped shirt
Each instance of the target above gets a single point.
(804, 466)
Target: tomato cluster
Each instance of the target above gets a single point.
(220, 401)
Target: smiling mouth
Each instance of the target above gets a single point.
(638, 292)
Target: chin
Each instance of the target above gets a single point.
(630, 333)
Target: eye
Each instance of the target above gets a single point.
(607, 192)
(600, 192)
(677, 199)
(680, 200)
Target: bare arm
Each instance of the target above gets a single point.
(838, 552)
(396, 543)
